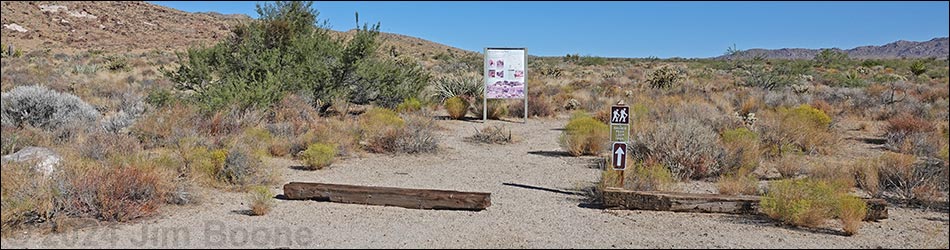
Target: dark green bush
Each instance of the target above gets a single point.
(287, 51)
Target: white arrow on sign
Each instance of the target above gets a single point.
(618, 156)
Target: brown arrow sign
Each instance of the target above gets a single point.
(619, 153)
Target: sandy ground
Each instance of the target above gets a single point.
(519, 217)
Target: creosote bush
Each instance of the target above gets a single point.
(584, 135)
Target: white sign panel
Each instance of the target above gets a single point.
(505, 73)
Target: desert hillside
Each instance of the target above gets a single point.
(113, 26)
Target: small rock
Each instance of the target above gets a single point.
(15, 27)
(46, 160)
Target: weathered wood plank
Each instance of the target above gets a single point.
(388, 196)
(705, 203)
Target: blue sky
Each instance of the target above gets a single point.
(634, 29)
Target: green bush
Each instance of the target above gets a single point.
(808, 202)
(456, 107)
(584, 135)
(318, 156)
(918, 68)
(285, 51)
(411, 104)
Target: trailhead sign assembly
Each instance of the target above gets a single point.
(506, 75)
(619, 134)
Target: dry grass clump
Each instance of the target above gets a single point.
(260, 199)
(492, 135)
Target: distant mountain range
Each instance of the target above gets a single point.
(936, 48)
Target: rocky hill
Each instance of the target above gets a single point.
(936, 48)
(109, 26)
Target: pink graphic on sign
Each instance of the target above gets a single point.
(491, 63)
(491, 73)
(519, 73)
(506, 90)
(500, 64)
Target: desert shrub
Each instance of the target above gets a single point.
(906, 133)
(386, 132)
(738, 183)
(584, 135)
(649, 177)
(688, 147)
(538, 106)
(867, 176)
(241, 166)
(160, 98)
(26, 196)
(762, 75)
(117, 63)
(492, 135)
(15, 139)
(803, 202)
(741, 149)
(456, 107)
(377, 121)
(260, 199)
(802, 129)
(831, 58)
(411, 104)
(41, 107)
(665, 77)
(166, 126)
(203, 165)
(318, 156)
(790, 166)
(415, 137)
(906, 177)
(102, 146)
(496, 109)
(286, 50)
(851, 212)
(343, 133)
(129, 190)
